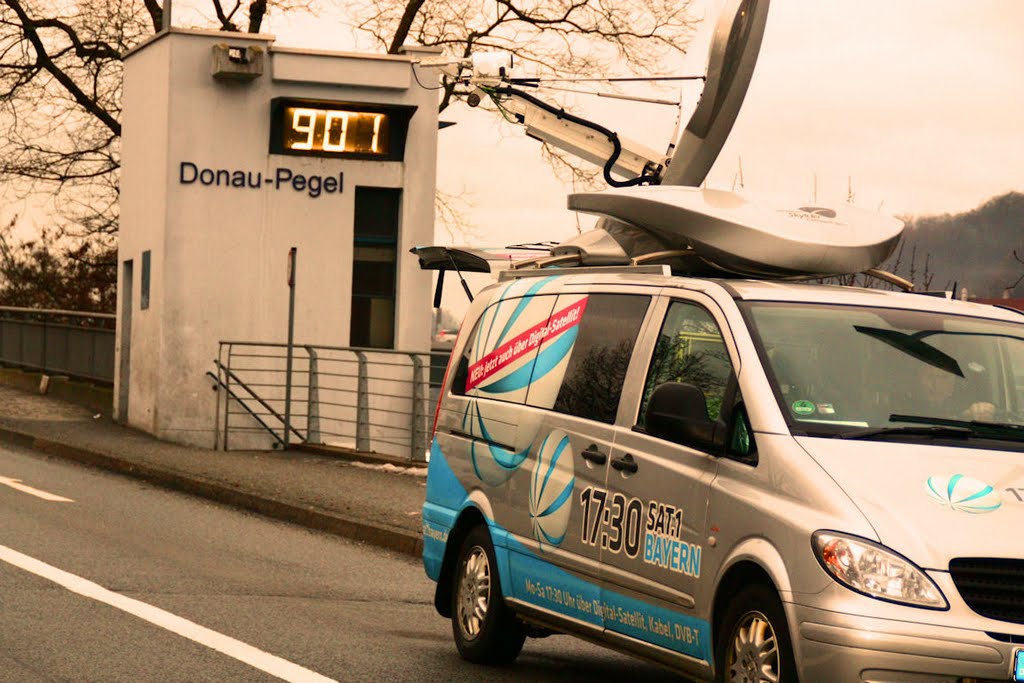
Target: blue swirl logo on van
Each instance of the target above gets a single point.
(963, 494)
(551, 489)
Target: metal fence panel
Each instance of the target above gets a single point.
(375, 400)
(58, 342)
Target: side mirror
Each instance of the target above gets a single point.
(678, 412)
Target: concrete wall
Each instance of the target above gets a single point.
(219, 253)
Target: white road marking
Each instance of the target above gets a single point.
(16, 484)
(273, 665)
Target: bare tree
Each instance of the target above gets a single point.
(46, 273)
(61, 69)
(559, 38)
(60, 94)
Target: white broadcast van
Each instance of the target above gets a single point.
(743, 478)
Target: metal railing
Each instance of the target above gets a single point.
(371, 400)
(56, 342)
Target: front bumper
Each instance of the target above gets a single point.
(833, 646)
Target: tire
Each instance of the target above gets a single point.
(486, 631)
(753, 644)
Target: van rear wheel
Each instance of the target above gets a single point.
(486, 631)
(753, 643)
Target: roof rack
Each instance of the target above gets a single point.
(463, 259)
(885, 276)
(516, 274)
(576, 258)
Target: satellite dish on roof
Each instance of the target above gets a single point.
(731, 60)
(732, 233)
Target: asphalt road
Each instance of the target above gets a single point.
(127, 582)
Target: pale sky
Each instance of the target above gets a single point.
(921, 102)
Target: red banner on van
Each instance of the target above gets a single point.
(524, 343)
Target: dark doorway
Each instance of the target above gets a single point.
(374, 267)
(124, 369)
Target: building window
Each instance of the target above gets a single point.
(374, 267)
(144, 297)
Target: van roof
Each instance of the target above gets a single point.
(774, 290)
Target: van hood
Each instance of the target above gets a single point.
(931, 503)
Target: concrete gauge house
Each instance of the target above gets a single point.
(234, 151)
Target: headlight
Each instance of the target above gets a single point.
(876, 571)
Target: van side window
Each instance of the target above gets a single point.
(689, 349)
(582, 363)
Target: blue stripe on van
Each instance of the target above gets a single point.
(521, 306)
(551, 467)
(508, 460)
(560, 501)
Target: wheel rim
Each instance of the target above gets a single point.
(754, 651)
(474, 592)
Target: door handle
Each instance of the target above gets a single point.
(593, 455)
(625, 464)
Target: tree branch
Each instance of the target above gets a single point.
(225, 21)
(156, 13)
(412, 8)
(28, 27)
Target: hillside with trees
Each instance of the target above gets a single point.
(981, 249)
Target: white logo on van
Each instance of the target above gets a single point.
(963, 494)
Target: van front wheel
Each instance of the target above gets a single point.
(485, 629)
(753, 643)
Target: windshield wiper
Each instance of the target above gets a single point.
(1006, 431)
(911, 430)
(914, 346)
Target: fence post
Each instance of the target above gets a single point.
(292, 258)
(362, 405)
(313, 399)
(417, 448)
(218, 390)
(42, 364)
(227, 398)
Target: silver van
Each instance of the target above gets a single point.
(743, 480)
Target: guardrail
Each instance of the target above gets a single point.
(371, 400)
(57, 342)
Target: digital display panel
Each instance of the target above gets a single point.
(338, 129)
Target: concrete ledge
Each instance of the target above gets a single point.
(399, 540)
(20, 379)
(99, 399)
(357, 456)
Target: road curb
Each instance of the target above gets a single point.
(399, 540)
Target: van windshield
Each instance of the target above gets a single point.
(860, 371)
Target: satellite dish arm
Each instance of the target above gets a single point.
(488, 76)
(576, 135)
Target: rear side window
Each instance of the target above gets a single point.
(567, 353)
(582, 365)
